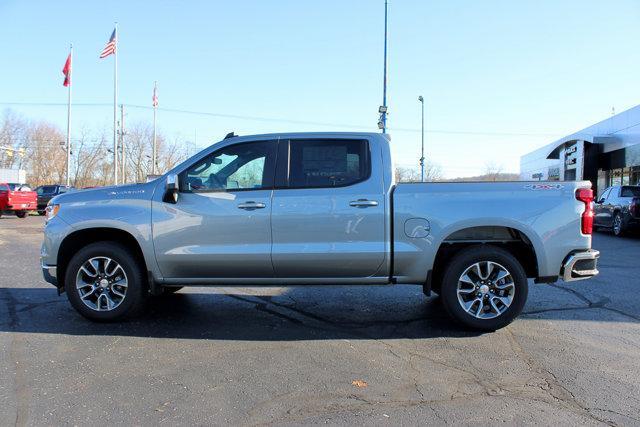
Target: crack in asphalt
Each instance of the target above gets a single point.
(602, 304)
(552, 387)
(18, 361)
(556, 389)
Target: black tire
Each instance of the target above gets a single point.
(466, 259)
(170, 290)
(618, 225)
(136, 291)
(21, 214)
(41, 213)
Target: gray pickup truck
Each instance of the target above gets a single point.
(316, 209)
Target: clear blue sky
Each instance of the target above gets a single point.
(544, 68)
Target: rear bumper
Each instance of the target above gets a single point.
(50, 274)
(580, 265)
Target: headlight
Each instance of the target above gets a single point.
(51, 211)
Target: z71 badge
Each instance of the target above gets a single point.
(544, 186)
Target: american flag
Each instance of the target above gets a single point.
(110, 47)
(155, 96)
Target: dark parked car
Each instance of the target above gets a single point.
(618, 208)
(47, 192)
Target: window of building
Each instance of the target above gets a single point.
(616, 177)
(635, 176)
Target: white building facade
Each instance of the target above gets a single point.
(606, 153)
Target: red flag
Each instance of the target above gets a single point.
(155, 96)
(67, 71)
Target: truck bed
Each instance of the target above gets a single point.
(540, 211)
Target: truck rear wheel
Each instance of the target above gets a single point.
(484, 288)
(104, 282)
(21, 214)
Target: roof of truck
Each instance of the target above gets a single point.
(309, 135)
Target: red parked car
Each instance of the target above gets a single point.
(17, 198)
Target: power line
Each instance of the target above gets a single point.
(291, 121)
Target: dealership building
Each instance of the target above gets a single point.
(606, 153)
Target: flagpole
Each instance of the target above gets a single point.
(69, 117)
(155, 108)
(115, 108)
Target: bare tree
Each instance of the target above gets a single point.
(89, 160)
(13, 136)
(47, 161)
(492, 171)
(432, 172)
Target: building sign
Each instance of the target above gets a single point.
(554, 174)
(537, 176)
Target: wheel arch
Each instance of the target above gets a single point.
(523, 245)
(78, 239)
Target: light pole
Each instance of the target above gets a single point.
(382, 122)
(421, 99)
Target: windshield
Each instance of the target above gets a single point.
(46, 189)
(630, 192)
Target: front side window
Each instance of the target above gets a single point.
(328, 163)
(247, 166)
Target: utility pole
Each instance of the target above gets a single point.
(122, 147)
(421, 99)
(382, 123)
(154, 148)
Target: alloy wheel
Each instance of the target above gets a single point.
(101, 283)
(485, 290)
(617, 225)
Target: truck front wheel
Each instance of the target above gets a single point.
(21, 214)
(104, 282)
(484, 288)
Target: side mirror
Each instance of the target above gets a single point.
(171, 188)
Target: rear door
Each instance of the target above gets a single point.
(328, 210)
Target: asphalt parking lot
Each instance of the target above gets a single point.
(372, 355)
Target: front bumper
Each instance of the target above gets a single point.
(50, 274)
(580, 265)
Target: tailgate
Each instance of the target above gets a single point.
(22, 199)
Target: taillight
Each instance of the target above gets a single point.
(585, 195)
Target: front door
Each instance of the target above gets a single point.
(220, 226)
(328, 217)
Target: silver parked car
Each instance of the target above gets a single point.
(316, 208)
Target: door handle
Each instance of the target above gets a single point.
(249, 206)
(363, 203)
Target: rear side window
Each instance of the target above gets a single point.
(328, 163)
(630, 192)
(48, 189)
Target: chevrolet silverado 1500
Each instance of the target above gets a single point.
(316, 209)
